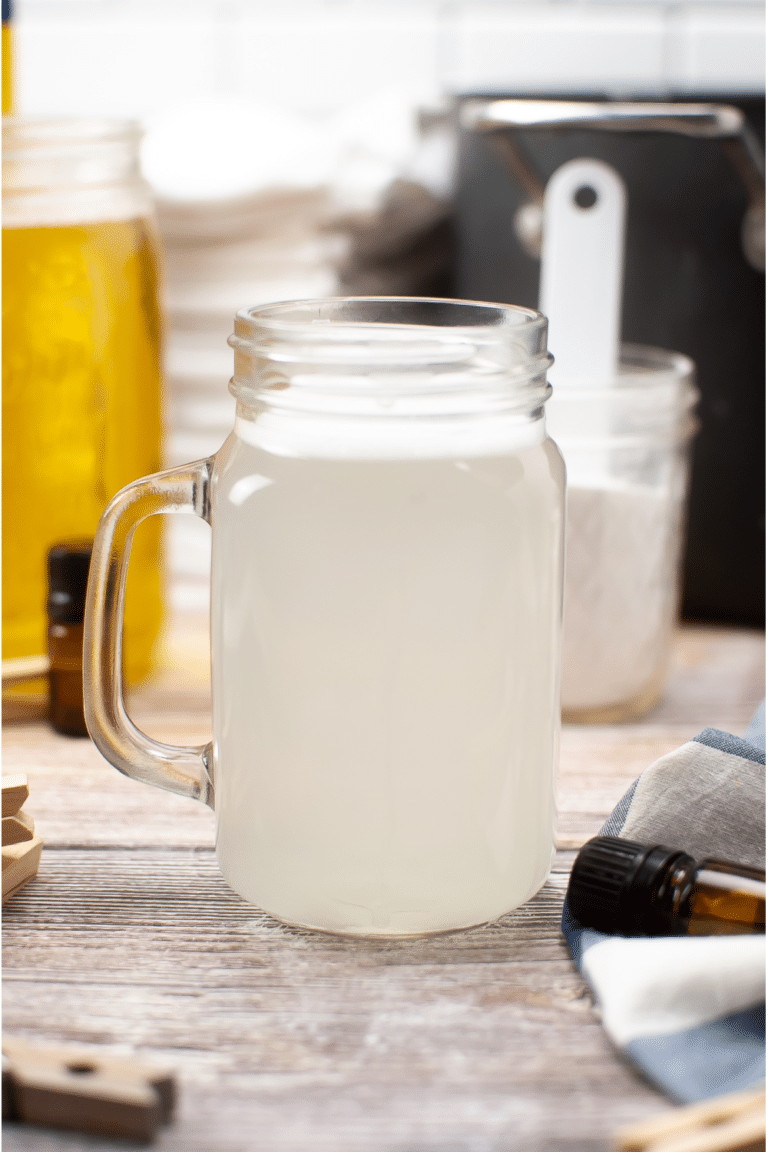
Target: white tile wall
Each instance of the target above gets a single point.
(557, 48)
(131, 57)
(120, 59)
(321, 57)
(720, 42)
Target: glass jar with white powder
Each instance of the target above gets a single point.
(626, 453)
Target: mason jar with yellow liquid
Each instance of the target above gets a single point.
(81, 370)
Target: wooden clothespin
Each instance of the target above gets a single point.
(18, 828)
(732, 1123)
(21, 848)
(15, 792)
(79, 1088)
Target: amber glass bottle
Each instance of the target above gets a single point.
(67, 582)
(631, 889)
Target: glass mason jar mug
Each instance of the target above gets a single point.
(387, 522)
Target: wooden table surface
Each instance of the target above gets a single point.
(477, 1041)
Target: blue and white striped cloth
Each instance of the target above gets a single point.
(689, 1011)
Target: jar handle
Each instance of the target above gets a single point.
(188, 771)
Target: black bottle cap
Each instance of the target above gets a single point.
(614, 883)
(68, 565)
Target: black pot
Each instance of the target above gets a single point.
(688, 288)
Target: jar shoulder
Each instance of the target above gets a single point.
(241, 468)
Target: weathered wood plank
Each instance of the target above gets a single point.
(479, 1035)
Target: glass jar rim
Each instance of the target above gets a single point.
(411, 349)
(350, 320)
(650, 401)
(62, 172)
(643, 369)
(29, 133)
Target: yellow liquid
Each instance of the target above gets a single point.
(81, 413)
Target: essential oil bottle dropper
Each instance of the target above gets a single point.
(630, 889)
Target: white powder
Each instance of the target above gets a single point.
(622, 548)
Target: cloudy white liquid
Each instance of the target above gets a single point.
(385, 639)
